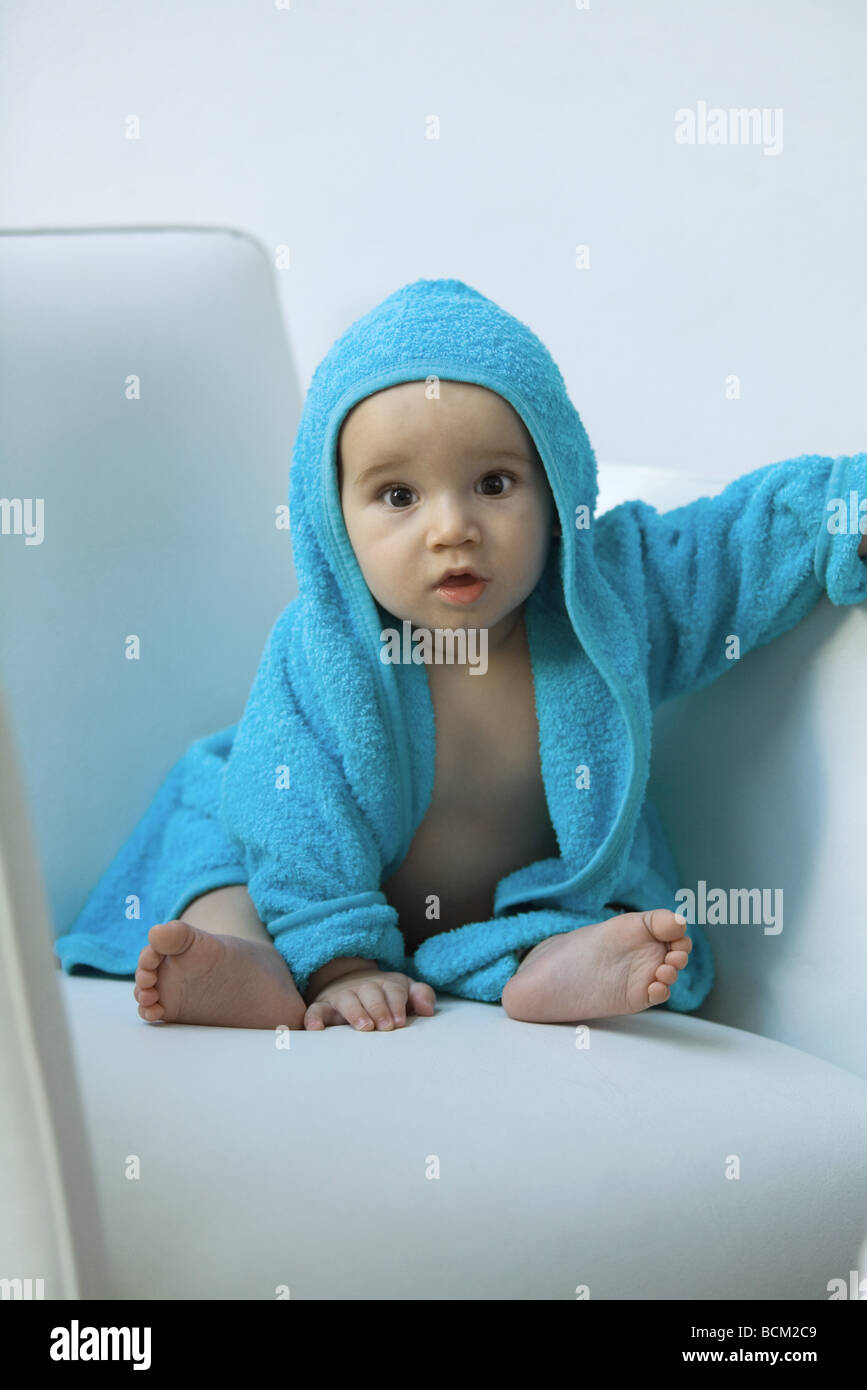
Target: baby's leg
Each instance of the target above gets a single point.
(230, 912)
(217, 966)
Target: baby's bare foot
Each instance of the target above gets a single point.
(619, 966)
(186, 975)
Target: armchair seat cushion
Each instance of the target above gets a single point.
(467, 1156)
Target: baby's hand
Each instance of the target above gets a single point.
(369, 998)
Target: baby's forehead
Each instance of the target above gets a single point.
(412, 420)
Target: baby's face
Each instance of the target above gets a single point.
(430, 485)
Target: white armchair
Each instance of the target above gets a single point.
(503, 1142)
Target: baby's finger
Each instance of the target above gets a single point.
(321, 1015)
(396, 996)
(422, 998)
(353, 1010)
(370, 992)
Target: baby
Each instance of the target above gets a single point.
(431, 487)
(372, 830)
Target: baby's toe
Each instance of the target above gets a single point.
(658, 993)
(149, 959)
(677, 958)
(146, 978)
(151, 1013)
(147, 996)
(666, 974)
(663, 925)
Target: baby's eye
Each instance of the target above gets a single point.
(494, 476)
(388, 491)
(398, 488)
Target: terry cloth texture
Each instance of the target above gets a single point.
(313, 799)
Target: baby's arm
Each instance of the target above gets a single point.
(749, 564)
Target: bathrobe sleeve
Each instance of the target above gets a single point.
(312, 861)
(749, 563)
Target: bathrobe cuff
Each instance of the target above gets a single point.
(360, 925)
(478, 960)
(839, 568)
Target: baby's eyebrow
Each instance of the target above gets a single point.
(395, 461)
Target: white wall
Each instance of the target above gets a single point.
(306, 126)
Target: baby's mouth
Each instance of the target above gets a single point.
(461, 588)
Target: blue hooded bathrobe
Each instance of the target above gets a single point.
(313, 799)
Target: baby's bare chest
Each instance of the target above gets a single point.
(488, 814)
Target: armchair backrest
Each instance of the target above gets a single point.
(149, 407)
